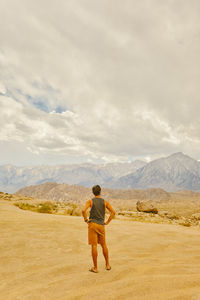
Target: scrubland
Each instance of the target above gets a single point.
(181, 208)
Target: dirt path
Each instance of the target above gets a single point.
(46, 257)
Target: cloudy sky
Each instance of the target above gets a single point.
(98, 81)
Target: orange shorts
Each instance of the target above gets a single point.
(96, 234)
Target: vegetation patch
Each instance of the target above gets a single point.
(45, 207)
(25, 206)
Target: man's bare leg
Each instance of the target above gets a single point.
(94, 257)
(106, 256)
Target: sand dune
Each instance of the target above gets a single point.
(46, 256)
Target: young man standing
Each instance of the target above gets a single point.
(96, 230)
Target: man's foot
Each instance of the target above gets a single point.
(94, 270)
(108, 268)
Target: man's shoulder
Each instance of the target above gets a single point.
(107, 203)
(89, 202)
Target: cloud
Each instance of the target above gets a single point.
(2, 89)
(103, 81)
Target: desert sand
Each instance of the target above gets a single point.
(45, 256)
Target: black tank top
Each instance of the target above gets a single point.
(97, 212)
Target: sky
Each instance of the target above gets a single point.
(98, 81)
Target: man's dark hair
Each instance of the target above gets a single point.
(96, 190)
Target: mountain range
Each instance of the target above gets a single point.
(175, 172)
(13, 178)
(172, 173)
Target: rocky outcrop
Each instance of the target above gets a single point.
(147, 207)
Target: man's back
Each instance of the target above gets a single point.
(97, 212)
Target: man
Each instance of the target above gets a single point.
(96, 230)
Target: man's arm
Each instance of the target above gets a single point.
(87, 205)
(111, 210)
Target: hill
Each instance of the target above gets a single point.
(79, 194)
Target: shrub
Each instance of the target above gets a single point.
(47, 207)
(77, 212)
(44, 208)
(25, 206)
(68, 211)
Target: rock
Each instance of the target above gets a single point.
(186, 223)
(146, 207)
(128, 213)
(172, 216)
(196, 216)
(163, 213)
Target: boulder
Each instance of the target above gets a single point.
(147, 207)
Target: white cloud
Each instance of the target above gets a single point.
(100, 80)
(2, 89)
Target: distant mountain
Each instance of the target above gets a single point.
(175, 172)
(13, 178)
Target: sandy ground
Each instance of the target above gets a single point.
(46, 256)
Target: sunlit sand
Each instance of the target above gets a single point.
(46, 256)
